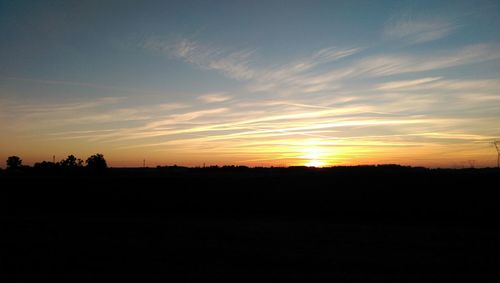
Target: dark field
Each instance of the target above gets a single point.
(374, 224)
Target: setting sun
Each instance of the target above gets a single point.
(314, 157)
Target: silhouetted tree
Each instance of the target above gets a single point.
(14, 162)
(71, 162)
(96, 162)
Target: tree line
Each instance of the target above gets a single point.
(94, 162)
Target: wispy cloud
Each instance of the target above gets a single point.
(214, 97)
(438, 83)
(406, 83)
(296, 75)
(233, 64)
(323, 56)
(26, 115)
(418, 29)
(27, 107)
(175, 119)
(241, 64)
(385, 65)
(318, 73)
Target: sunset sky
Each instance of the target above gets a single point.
(255, 83)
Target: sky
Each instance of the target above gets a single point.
(257, 83)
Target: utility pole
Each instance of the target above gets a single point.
(53, 159)
(144, 163)
(497, 145)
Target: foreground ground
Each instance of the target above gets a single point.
(373, 224)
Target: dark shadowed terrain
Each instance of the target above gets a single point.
(352, 224)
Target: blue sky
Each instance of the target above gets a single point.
(251, 82)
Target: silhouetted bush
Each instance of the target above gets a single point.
(45, 166)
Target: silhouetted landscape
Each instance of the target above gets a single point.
(240, 224)
(249, 141)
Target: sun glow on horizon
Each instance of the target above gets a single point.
(315, 163)
(314, 157)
